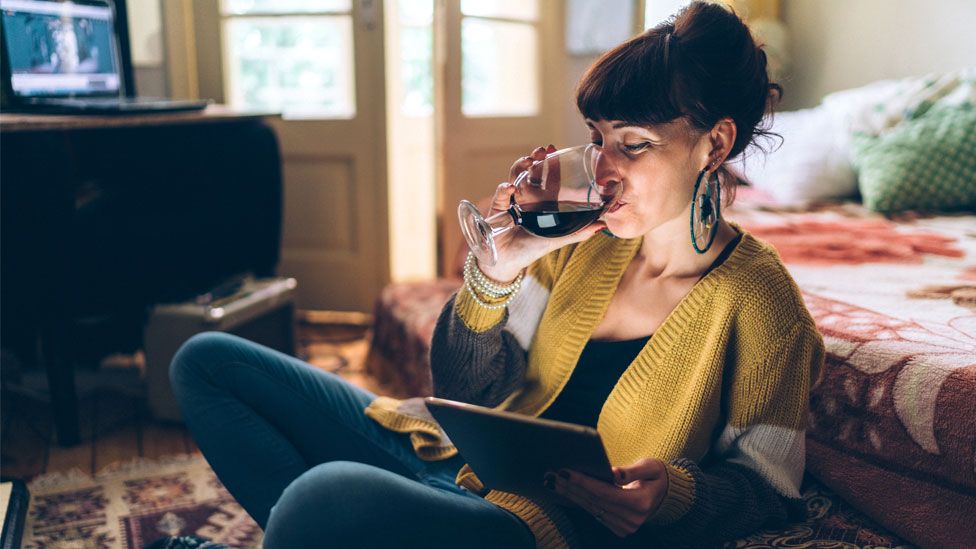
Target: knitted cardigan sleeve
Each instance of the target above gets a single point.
(476, 356)
(752, 477)
(471, 366)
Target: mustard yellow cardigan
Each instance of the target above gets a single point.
(724, 380)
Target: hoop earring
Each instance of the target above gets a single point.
(705, 211)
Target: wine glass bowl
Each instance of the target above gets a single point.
(557, 196)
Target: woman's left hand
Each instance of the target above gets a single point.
(622, 507)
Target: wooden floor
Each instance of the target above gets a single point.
(114, 427)
(117, 426)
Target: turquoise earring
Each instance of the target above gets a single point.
(706, 204)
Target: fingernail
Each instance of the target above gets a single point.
(563, 474)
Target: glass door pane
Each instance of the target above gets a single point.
(526, 10)
(499, 67)
(242, 7)
(290, 56)
(301, 66)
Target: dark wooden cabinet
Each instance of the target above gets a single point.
(110, 215)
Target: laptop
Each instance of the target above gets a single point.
(63, 56)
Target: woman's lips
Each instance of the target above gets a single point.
(616, 206)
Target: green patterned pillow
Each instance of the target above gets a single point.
(926, 164)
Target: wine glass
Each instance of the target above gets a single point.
(554, 197)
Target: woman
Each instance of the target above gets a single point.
(678, 335)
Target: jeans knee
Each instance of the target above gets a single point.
(331, 501)
(335, 484)
(195, 355)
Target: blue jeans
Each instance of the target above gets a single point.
(291, 443)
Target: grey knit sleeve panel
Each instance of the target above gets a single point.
(479, 368)
(731, 501)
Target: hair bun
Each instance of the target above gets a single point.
(729, 68)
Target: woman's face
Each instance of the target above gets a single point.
(658, 166)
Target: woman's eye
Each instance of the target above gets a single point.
(636, 147)
(597, 142)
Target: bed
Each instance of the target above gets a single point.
(893, 419)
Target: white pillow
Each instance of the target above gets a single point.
(811, 164)
(880, 106)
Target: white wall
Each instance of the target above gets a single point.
(146, 42)
(840, 44)
(145, 32)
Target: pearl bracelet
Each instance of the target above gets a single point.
(477, 283)
(482, 282)
(474, 295)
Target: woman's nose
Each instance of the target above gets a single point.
(608, 176)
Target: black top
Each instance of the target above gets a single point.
(599, 367)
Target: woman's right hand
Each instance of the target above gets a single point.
(519, 248)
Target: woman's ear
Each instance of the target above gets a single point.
(720, 138)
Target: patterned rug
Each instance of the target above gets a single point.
(133, 504)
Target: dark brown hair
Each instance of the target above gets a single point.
(701, 64)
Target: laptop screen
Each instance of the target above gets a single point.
(60, 48)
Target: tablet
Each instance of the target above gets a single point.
(512, 452)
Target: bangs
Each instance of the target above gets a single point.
(632, 83)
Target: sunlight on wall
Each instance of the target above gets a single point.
(410, 140)
(656, 11)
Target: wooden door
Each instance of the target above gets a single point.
(320, 63)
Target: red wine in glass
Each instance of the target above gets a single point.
(553, 219)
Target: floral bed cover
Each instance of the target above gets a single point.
(893, 418)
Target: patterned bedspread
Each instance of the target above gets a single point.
(893, 419)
